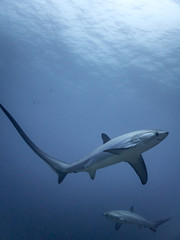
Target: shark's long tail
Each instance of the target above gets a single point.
(156, 224)
(59, 167)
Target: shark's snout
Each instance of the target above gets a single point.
(166, 133)
(162, 135)
(105, 214)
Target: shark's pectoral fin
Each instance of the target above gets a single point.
(92, 174)
(105, 138)
(61, 177)
(140, 168)
(117, 226)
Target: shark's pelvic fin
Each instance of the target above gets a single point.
(105, 138)
(140, 168)
(92, 174)
(117, 226)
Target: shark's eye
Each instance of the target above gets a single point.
(157, 134)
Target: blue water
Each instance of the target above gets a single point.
(70, 70)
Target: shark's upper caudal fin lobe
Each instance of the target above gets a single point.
(158, 223)
(58, 166)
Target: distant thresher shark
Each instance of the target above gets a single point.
(130, 217)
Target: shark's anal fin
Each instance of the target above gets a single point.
(105, 138)
(140, 168)
(117, 226)
(61, 177)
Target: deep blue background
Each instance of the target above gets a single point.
(68, 72)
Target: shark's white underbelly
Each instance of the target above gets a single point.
(104, 159)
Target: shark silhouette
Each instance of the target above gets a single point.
(129, 217)
(128, 148)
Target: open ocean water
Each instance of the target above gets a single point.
(70, 70)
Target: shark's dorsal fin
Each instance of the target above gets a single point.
(131, 209)
(105, 138)
(140, 168)
(117, 226)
